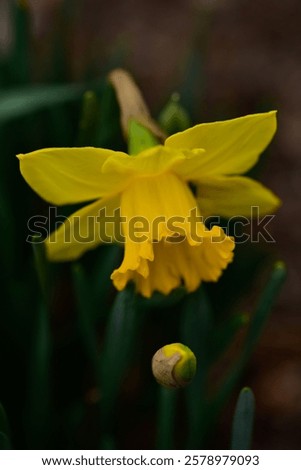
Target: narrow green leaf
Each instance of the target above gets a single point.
(197, 322)
(89, 118)
(119, 346)
(39, 401)
(109, 258)
(38, 418)
(108, 132)
(195, 333)
(193, 85)
(242, 426)
(264, 306)
(41, 265)
(166, 418)
(23, 101)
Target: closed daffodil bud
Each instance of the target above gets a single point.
(174, 365)
(132, 104)
(173, 117)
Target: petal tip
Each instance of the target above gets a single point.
(278, 203)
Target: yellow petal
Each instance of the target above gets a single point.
(234, 196)
(85, 229)
(70, 175)
(232, 147)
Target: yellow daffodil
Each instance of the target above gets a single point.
(152, 189)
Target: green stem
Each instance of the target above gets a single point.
(166, 418)
(41, 266)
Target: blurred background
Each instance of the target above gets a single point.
(225, 59)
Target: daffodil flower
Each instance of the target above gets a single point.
(155, 184)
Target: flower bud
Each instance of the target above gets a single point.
(174, 365)
(174, 117)
(132, 104)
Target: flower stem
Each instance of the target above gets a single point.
(166, 418)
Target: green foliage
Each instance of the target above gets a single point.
(166, 418)
(196, 328)
(173, 117)
(118, 348)
(25, 101)
(242, 426)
